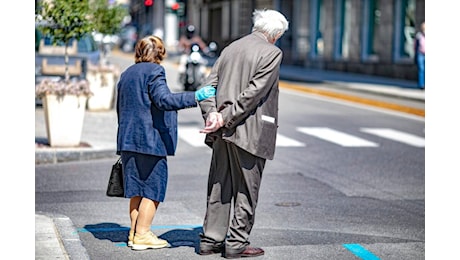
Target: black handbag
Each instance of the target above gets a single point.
(115, 186)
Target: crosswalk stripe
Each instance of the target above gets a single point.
(396, 135)
(284, 141)
(336, 137)
(193, 137)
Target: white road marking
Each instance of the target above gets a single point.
(193, 137)
(284, 141)
(336, 137)
(395, 135)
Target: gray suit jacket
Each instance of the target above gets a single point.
(246, 75)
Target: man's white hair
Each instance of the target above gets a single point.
(270, 22)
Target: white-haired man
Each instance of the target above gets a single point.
(241, 125)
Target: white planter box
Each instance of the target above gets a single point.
(64, 118)
(102, 84)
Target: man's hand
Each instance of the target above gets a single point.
(213, 123)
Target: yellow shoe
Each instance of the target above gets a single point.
(148, 240)
(130, 238)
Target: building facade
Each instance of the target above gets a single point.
(372, 37)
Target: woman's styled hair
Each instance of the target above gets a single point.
(270, 22)
(150, 49)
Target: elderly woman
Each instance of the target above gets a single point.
(147, 134)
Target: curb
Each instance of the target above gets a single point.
(390, 91)
(66, 235)
(69, 237)
(58, 155)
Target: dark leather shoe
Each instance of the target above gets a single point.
(247, 252)
(211, 250)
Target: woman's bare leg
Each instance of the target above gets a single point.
(147, 210)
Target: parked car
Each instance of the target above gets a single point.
(128, 38)
(86, 46)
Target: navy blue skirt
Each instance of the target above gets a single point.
(144, 175)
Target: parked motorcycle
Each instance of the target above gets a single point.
(196, 67)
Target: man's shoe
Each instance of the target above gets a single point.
(211, 250)
(247, 252)
(148, 240)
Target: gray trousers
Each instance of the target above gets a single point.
(234, 176)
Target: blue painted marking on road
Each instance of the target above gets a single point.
(84, 230)
(360, 252)
(177, 227)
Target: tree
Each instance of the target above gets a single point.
(107, 20)
(64, 21)
(64, 101)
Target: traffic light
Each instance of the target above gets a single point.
(148, 2)
(175, 6)
(178, 8)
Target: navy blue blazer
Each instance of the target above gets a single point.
(147, 110)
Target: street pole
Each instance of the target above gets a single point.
(171, 26)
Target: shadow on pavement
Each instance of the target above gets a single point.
(107, 231)
(119, 234)
(184, 237)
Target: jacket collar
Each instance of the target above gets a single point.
(260, 35)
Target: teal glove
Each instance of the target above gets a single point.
(204, 93)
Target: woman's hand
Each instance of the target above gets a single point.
(205, 92)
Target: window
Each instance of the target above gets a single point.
(371, 19)
(342, 35)
(318, 26)
(405, 29)
(321, 29)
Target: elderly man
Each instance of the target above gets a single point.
(241, 125)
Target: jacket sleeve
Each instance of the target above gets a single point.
(163, 98)
(209, 105)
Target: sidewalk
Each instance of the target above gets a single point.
(57, 238)
(350, 81)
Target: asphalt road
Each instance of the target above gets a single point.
(318, 201)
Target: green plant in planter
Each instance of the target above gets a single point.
(64, 20)
(64, 100)
(107, 20)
